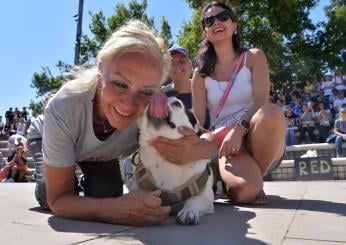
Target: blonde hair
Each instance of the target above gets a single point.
(133, 37)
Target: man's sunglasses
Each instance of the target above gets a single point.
(222, 16)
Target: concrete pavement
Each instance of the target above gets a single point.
(299, 213)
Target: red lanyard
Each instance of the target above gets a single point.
(230, 84)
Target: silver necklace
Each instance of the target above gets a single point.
(104, 126)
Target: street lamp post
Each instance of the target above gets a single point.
(79, 19)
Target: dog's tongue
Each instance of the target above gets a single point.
(158, 106)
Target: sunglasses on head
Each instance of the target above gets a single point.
(222, 16)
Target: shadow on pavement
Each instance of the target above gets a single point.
(277, 202)
(228, 225)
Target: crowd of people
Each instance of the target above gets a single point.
(16, 122)
(14, 168)
(311, 107)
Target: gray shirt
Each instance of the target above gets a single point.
(340, 125)
(69, 135)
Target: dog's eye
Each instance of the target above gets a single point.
(176, 104)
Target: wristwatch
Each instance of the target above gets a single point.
(245, 125)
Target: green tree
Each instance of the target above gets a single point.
(281, 28)
(101, 27)
(165, 32)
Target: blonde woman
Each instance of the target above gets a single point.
(92, 121)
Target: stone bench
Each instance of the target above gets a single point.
(286, 171)
(323, 149)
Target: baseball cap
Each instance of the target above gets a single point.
(179, 50)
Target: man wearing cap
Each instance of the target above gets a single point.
(340, 131)
(180, 73)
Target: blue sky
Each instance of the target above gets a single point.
(38, 33)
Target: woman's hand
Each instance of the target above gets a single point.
(232, 143)
(144, 208)
(186, 149)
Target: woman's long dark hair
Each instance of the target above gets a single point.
(206, 58)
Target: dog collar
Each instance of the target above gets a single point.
(180, 194)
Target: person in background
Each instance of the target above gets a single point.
(324, 119)
(309, 87)
(339, 81)
(340, 131)
(2, 126)
(180, 73)
(249, 131)
(307, 123)
(339, 102)
(24, 114)
(292, 126)
(21, 126)
(2, 161)
(327, 86)
(16, 166)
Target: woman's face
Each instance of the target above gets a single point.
(220, 30)
(129, 81)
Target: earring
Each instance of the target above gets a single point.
(235, 33)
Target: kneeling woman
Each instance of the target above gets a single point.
(250, 132)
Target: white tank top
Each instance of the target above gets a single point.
(239, 99)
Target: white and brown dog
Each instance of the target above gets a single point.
(188, 186)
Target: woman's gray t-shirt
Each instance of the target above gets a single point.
(69, 135)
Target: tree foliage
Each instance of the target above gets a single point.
(295, 47)
(101, 27)
(165, 32)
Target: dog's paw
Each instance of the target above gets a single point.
(187, 217)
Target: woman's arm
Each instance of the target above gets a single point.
(199, 97)
(135, 208)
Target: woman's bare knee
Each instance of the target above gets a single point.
(268, 116)
(244, 193)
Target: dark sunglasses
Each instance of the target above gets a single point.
(222, 16)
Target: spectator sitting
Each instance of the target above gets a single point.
(2, 161)
(2, 126)
(13, 140)
(327, 85)
(297, 106)
(307, 123)
(21, 127)
(281, 104)
(292, 126)
(339, 82)
(339, 102)
(309, 87)
(17, 166)
(324, 119)
(306, 98)
(340, 131)
(332, 98)
(19, 142)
